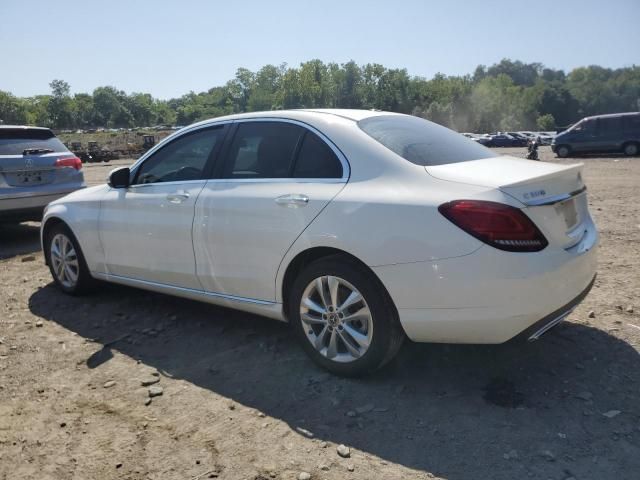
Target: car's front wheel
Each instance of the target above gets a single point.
(344, 317)
(66, 261)
(563, 151)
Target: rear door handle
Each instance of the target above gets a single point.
(293, 200)
(178, 197)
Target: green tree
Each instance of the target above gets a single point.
(546, 122)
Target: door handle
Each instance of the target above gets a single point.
(177, 197)
(293, 200)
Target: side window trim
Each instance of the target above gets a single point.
(213, 158)
(223, 157)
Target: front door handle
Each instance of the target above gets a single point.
(178, 197)
(293, 200)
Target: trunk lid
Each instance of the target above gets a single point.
(554, 196)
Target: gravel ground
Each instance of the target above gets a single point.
(235, 398)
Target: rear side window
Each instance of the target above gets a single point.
(610, 125)
(316, 159)
(632, 123)
(263, 150)
(422, 142)
(16, 141)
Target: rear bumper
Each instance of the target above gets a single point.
(488, 296)
(542, 326)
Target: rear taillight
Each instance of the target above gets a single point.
(496, 224)
(73, 162)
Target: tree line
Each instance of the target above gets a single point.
(510, 95)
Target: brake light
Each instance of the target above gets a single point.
(73, 162)
(496, 224)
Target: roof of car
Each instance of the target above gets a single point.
(349, 114)
(22, 127)
(609, 115)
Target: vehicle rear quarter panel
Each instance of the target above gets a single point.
(388, 212)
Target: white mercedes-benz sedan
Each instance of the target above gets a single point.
(359, 228)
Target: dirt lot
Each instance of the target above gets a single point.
(241, 401)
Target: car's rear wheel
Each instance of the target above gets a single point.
(630, 149)
(563, 151)
(66, 261)
(344, 317)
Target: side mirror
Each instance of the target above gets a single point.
(119, 178)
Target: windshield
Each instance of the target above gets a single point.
(422, 142)
(16, 141)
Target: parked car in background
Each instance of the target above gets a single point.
(614, 133)
(546, 138)
(35, 169)
(504, 140)
(357, 227)
(521, 139)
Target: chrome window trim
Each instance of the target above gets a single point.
(156, 184)
(277, 180)
(555, 199)
(346, 167)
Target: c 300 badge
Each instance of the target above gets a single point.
(534, 194)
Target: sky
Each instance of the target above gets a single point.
(168, 48)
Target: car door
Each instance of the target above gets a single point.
(609, 134)
(146, 229)
(276, 178)
(584, 136)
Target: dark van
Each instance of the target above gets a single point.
(615, 133)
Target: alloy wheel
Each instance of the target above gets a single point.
(64, 261)
(336, 319)
(631, 149)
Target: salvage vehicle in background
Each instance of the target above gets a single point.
(35, 169)
(614, 133)
(357, 227)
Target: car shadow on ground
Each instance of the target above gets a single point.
(19, 239)
(460, 412)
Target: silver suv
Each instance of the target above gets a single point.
(35, 169)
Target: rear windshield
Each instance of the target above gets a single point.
(422, 142)
(14, 142)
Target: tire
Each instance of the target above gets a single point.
(563, 151)
(361, 345)
(630, 149)
(71, 275)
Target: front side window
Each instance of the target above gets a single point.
(585, 126)
(263, 150)
(422, 142)
(181, 160)
(316, 159)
